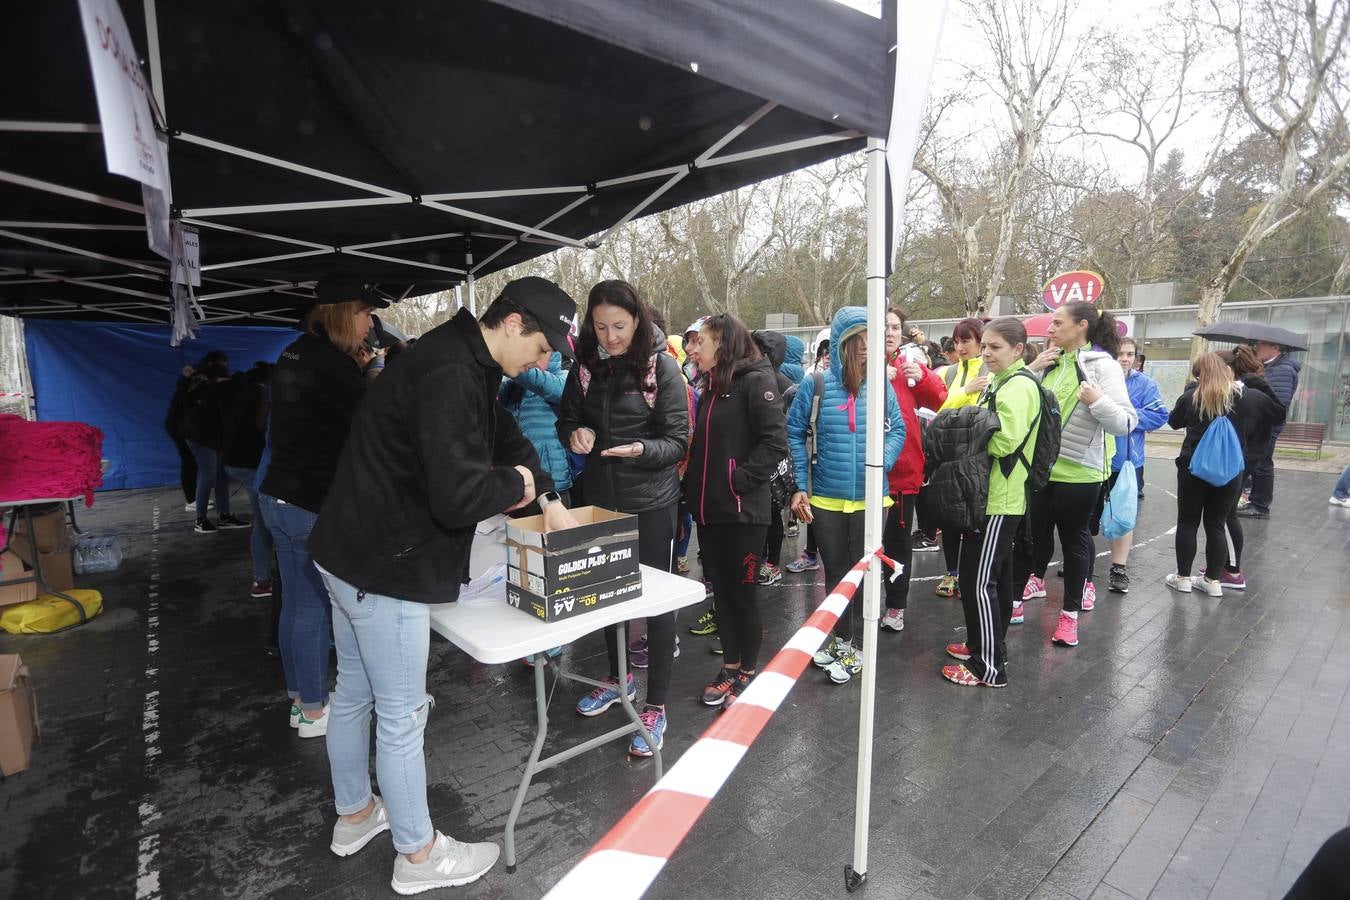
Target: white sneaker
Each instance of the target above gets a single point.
(1337, 501)
(295, 716)
(848, 664)
(825, 656)
(1179, 583)
(894, 620)
(450, 864)
(312, 728)
(1211, 587)
(350, 837)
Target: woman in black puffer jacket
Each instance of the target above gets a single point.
(740, 437)
(626, 408)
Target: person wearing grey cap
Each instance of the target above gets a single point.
(431, 453)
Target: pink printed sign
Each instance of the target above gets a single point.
(1072, 287)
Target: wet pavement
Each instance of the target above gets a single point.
(1189, 747)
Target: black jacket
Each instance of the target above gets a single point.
(616, 410)
(774, 345)
(244, 423)
(739, 439)
(315, 391)
(430, 455)
(202, 412)
(1254, 414)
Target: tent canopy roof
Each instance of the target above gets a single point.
(410, 144)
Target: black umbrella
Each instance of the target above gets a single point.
(1249, 332)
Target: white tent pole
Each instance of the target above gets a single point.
(473, 300)
(257, 260)
(50, 127)
(553, 218)
(513, 192)
(302, 206)
(53, 245)
(404, 262)
(73, 193)
(876, 475)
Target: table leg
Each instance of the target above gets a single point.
(74, 526)
(628, 704)
(531, 765)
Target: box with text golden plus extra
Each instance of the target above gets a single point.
(559, 574)
(18, 715)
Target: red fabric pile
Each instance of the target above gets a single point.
(41, 460)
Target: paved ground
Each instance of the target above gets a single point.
(1189, 747)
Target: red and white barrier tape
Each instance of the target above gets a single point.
(627, 860)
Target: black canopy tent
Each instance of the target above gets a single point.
(415, 145)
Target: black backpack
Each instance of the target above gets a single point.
(1047, 443)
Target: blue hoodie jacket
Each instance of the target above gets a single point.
(792, 366)
(532, 397)
(841, 444)
(1147, 401)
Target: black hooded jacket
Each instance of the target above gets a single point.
(431, 453)
(615, 408)
(740, 437)
(1256, 411)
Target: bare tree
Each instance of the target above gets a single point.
(1030, 75)
(1289, 54)
(821, 239)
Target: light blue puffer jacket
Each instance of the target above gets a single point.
(841, 446)
(535, 413)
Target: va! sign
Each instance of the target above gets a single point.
(1072, 287)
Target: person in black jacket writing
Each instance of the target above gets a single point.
(625, 406)
(740, 437)
(431, 453)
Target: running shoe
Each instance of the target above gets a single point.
(1019, 614)
(451, 863)
(1235, 580)
(260, 589)
(1035, 588)
(925, 545)
(717, 690)
(315, 727)
(807, 562)
(1119, 582)
(637, 644)
(792, 530)
(715, 646)
(894, 620)
(1180, 583)
(1244, 501)
(681, 565)
(1066, 632)
(639, 660)
(769, 574)
(349, 837)
(654, 720)
(229, 521)
(1089, 596)
(958, 651)
(1252, 511)
(602, 698)
(828, 653)
(1339, 501)
(706, 624)
(205, 526)
(1211, 586)
(847, 664)
(737, 688)
(707, 588)
(947, 587)
(959, 674)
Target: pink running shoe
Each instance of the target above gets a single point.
(1066, 633)
(1019, 614)
(1089, 596)
(1035, 588)
(1235, 580)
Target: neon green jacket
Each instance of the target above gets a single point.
(1016, 402)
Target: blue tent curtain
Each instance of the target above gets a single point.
(120, 378)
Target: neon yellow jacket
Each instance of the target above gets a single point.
(956, 377)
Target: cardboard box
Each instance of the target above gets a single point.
(50, 527)
(563, 573)
(18, 715)
(58, 567)
(14, 569)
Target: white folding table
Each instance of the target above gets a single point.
(495, 633)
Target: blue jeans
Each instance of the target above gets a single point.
(382, 645)
(303, 631)
(260, 540)
(685, 533)
(210, 473)
(1342, 489)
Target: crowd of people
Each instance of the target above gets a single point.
(366, 490)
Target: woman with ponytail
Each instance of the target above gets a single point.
(1080, 369)
(1250, 404)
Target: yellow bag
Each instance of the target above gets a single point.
(50, 613)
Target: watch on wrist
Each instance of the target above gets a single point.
(548, 498)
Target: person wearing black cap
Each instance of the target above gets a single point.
(432, 452)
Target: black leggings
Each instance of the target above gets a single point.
(730, 558)
(773, 541)
(1066, 508)
(987, 596)
(841, 546)
(1199, 501)
(656, 542)
(1233, 528)
(951, 550)
(1328, 873)
(897, 541)
(811, 546)
(923, 517)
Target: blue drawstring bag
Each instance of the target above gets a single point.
(1122, 504)
(1218, 457)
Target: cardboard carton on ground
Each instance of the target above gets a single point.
(50, 528)
(564, 573)
(57, 566)
(13, 569)
(18, 715)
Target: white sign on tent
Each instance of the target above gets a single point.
(129, 140)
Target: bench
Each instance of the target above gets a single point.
(1304, 436)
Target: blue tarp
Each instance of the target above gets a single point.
(120, 378)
